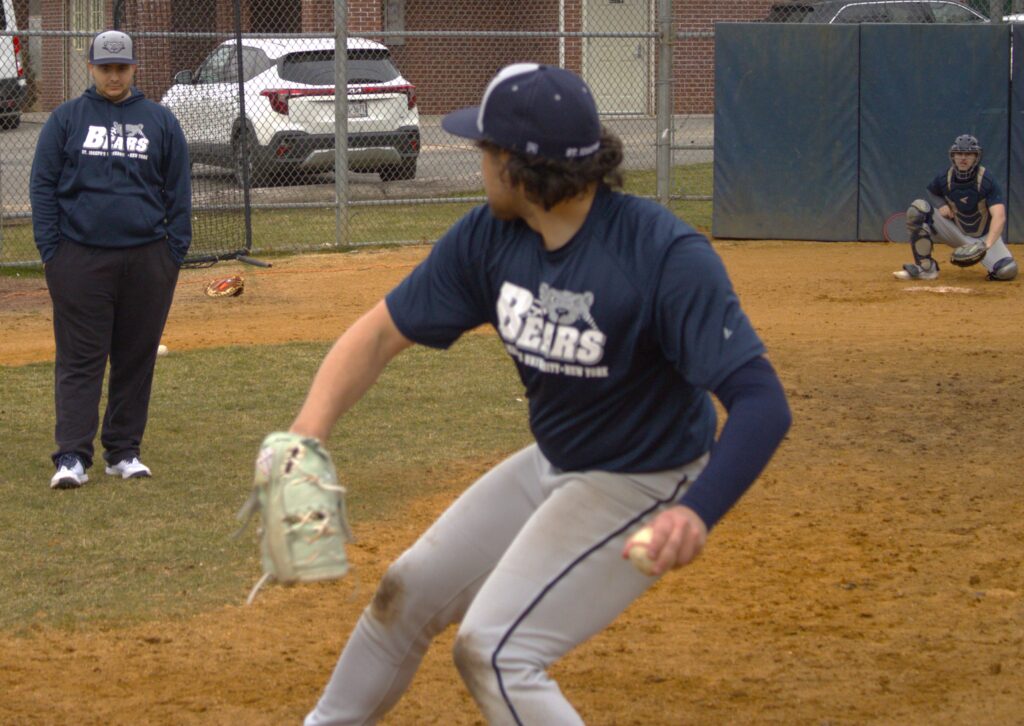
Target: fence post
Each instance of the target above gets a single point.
(341, 230)
(663, 102)
(245, 143)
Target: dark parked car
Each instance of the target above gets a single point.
(874, 11)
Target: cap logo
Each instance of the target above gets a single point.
(113, 46)
(572, 152)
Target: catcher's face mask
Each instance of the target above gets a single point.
(966, 147)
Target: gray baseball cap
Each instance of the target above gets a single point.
(112, 46)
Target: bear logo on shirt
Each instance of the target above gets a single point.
(544, 330)
(564, 307)
(118, 139)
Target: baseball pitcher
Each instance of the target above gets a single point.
(621, 322)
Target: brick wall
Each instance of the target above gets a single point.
(156, 66)
(693, 66)
(363, 16)
(448, 72)
(51, 92)
(451, 72)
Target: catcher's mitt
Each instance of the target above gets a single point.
(226, 286)
(302, 507)
(968, 254)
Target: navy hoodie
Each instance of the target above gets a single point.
(111, 175)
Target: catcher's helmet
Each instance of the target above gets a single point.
(965, 144)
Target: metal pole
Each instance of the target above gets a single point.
(245, 158)
(663, 102)
(341, 230)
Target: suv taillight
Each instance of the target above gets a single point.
(17, 56)
(278, 97)
(409, 90)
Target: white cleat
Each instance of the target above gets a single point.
(129, 469)
(915, 272)
(70, 473)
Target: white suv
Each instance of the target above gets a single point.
(288, 87)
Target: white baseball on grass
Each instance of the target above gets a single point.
(638, 550)
(161, 349)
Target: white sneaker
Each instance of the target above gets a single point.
(129, 469)
(70, 473)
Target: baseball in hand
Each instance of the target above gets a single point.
(161, 349)
(638, 551)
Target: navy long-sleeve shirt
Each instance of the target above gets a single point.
(111, 175)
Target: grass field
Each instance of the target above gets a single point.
(872, 575)
(122, 551)
(291, 230)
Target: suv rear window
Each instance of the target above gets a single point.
(316, 67)
(950, 13)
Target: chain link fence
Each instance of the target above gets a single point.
(253, 85)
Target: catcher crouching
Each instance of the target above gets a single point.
(971, 221)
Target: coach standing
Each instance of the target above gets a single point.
(111, 212)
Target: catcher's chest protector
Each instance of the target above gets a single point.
(303, 527)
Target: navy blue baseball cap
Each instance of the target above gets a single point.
(112, 46)
(533, 109)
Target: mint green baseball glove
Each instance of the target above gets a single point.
(304, 528)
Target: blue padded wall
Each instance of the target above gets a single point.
(920, 87)
(785, 131)
(1015, 194)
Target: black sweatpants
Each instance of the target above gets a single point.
(107, 304)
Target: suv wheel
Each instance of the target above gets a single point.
(402, 171)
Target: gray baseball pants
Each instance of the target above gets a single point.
(529, 560)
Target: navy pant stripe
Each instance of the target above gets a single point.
(560, 576)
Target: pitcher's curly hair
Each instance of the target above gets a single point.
(547, 182)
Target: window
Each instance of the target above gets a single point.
(87, 16)
(316, 67)
(220, 67)
(254, 62)
(911, 13)
(864, 13)
(950, 13)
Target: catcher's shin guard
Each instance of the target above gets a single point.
(921, 245)
(1004, 269)
(919, 224)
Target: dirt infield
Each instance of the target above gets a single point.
(873, 575)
